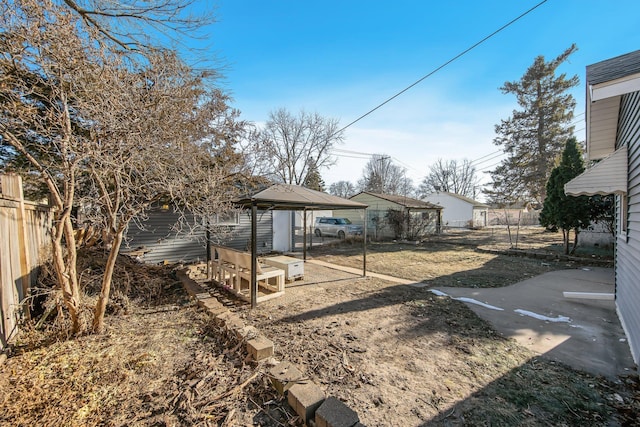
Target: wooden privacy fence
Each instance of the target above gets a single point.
(24, 240)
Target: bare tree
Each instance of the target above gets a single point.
(450, 176)
(343, 189)
(381, 175)
(129, 23)
(107, 133)
(294, 145)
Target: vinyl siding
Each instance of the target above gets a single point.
(377, 208)
(628, 247)
(160, 236)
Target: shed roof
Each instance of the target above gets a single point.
(295, 197)
(469, 200)
(406, 202)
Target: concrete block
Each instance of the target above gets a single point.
(208, 302)
(305, 399)
(284, 375)
(215, 311)
(247, 333)
(260, 348)
(233, 323)
(224, 316)
(334, 413)
(190, 285)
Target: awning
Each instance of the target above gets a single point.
(608, 176)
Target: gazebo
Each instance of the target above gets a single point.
(293, 197)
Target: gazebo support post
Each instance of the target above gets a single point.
(304, 235)
(364, 245)
(254, 255)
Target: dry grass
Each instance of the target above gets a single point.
(465, 258)
(398, 355)
(160, 362)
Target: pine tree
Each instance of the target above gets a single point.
(314, 180)
(532, 137)
(561, 211)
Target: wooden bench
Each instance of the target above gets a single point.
(232, 270)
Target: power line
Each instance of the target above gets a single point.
(491, 158)
(464, 52)
(486, 155)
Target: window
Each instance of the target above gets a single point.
(622, 207)
(227, 218)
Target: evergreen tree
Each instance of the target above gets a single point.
(561, 211)
(314, 180)
(532, 137)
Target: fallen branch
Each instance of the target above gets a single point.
(265, 412)
(236, 389)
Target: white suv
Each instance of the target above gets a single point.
(339, 227)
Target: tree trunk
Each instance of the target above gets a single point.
(565, 240)
(575, 241)
(65, 268)
(506, 218)
(103, 298)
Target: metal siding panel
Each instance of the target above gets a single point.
(164, 242)
(167, 244)
(241, 238)
(628, 252)
(629, 122)
(628, 293)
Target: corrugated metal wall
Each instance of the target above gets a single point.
(164, 241)
(628, 249)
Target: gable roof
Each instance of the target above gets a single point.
(613, 68)
(469, 200)
(607, 82)
(406, 202)
(295, 197)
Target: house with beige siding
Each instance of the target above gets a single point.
(613, 138)
(417, 211)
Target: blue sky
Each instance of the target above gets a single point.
(343, 58)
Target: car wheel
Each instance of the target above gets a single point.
(341, 234)
(318, 232)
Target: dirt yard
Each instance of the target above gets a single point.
(398, 355)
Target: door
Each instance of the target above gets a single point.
(282, 231)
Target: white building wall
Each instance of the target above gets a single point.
(456, 213)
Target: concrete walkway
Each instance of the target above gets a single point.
(582, 333)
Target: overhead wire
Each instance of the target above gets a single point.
(357, 155)
(464, 52)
